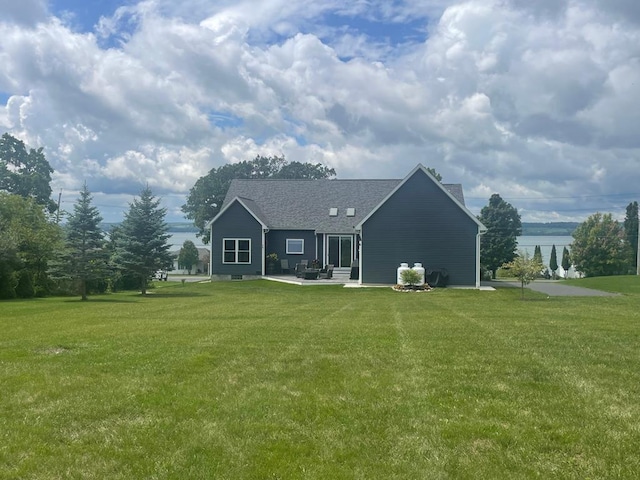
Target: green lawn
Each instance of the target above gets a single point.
(258, 380)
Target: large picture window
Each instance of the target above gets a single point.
(236, 250)
(295, 246)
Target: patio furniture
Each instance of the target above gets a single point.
(300, 268)
(284, 265)
(310, 274)
(326, 273)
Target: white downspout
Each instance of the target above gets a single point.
(264, 252)
(359, 256)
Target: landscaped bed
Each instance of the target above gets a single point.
(266, 380)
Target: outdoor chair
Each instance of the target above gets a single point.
(300, 268)
(326, 273)
(284, 265)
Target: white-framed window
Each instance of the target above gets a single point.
(236, 250)
(295, 246)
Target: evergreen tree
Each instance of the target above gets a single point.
(84, 258)
(188, 256)
(631, 233)
(566, 261)
(553, 261)
(498, 245)
(537, 255)
(141, 242)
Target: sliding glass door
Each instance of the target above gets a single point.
(340, 250)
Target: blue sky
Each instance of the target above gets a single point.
(538, 101)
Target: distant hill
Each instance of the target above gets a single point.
(173, 227)
(528, 229)
(554, 229)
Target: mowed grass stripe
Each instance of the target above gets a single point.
(261, 380)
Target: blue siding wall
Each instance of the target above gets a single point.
(419, 223)
(236, 222)
(277, 243)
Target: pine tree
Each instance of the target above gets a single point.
(141, 244)
(537, 255)
(553, 261)
(566, 261)
(188, 256)
(84, 258)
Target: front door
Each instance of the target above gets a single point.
(340, 250)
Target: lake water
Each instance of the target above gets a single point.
(177, 239)
(528, 245)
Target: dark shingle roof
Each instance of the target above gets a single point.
(305, 204)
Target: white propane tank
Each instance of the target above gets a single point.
(419, 269)
(402, 268)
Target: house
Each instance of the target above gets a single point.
(374, 225)
(202, 266)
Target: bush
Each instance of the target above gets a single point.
(410, 277)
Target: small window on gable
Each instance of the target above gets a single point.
(351, 212)
(333, 212)
(295, 246)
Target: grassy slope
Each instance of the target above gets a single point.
(261, 380)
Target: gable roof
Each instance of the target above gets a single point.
(457, 200)
(249, 205)
(305, 204)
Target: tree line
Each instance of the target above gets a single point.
(601, 245)
(38, 256)
(41, 256)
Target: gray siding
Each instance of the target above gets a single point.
(236, 222)
(277, 243)
(419, 223)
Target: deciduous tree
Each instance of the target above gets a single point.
(27, 243)
(498, 245)
(598, 247)
(141, 241)
(566, 261)
(188, 256)
(25, 173)
(205, 198)
(524, 268)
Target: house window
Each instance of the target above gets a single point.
(295, 246)
(236, 250)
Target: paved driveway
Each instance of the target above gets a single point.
(555, 289)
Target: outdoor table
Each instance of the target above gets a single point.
(310, 274)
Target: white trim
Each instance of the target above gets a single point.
(236, 250)
(244, 205)
(478, 268)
